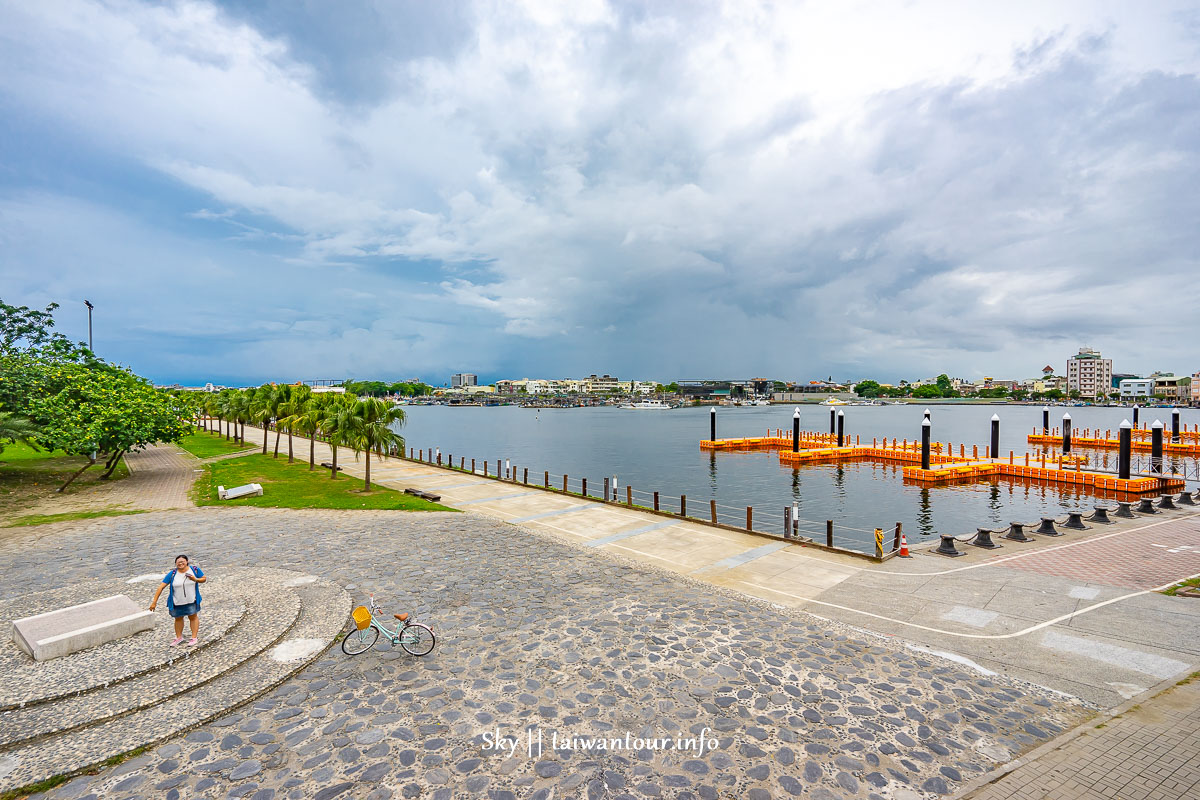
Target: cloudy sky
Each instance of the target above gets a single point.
(289, 190)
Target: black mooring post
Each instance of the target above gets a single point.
(1066, 433)
(995, 435)
(841, 424)
(925, 426)
(832, 419)
(1175, 425)
(1125, 452)
(1046, 420)
(712, 424)
(1156, 447)
(796, 431)
(1135, 416)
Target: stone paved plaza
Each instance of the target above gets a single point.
(541, 636)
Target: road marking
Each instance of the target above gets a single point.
(1147, 663)
(1083, 593)
(626, 534)
(1012, 635)
(545, 514)
(490, 499)
(1043, 551)
(744, 558)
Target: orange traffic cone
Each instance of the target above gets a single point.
(904, 546)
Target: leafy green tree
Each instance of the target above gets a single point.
(868, 389)
(927, 391)
(107, 413)
(311, 421)
(1054, 394)
(291, 409)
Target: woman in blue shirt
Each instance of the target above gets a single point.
(183, 598)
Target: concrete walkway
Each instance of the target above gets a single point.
(1150, 752)
(1077, 613)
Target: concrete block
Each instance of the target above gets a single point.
(69, 630)
(249, 490)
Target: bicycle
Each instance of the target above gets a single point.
(416, 639)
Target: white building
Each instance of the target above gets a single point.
(1136, 388)
(460, 379)
(1088, 373)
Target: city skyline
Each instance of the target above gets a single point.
(246, 190)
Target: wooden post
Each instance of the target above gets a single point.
(564, 484)
(485, 472)
(629, 495)
(584, 487)
(829, 533)
(472, 466)
(656, 501)
(546, 479)
(712, 510)
(683, 505)
(749, 518)
(896, 539)
(525, 476)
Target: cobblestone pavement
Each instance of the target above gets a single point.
(1151, 752)
(542, 637)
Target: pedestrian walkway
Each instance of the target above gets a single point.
(1077, 613)
(160, 477)
(1151, 752)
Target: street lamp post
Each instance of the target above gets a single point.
(89, 305)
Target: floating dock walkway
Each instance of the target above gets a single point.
(945, 466)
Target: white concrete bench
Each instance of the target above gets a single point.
(249, 490)
(69, 630)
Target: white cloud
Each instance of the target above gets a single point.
(903, 186)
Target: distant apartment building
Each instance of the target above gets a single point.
(1088, 373)
(1171, 388)
(600, 384)
(1136, 388)
(461, 379)
(1195, 387)
(1122, 376)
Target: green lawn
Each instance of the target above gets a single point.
(294, 486)
(206, 445)
(29, 476)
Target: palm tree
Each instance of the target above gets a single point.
(210, 411)
(16, 429)
(224, 409)
(373, 419)
(261, 410)
(280, 395)
(340, 423)
(292, 409)
(311, 420)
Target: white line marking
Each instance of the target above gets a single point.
(1145, 663)
(1012, 635)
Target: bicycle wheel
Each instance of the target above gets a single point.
(417, 639)
(356, 641)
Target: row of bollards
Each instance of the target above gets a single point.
(1075, 521)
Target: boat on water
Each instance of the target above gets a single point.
(761, 403)
(647, 405)
(834, 401)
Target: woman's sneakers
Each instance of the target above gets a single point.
(178, 640)
(193, 641)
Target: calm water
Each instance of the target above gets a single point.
(659, 451)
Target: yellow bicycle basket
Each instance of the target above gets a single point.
(361, 617)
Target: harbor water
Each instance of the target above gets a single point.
(651, 450)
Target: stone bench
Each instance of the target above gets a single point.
(424, 495)
(249, 490)
(69, 630)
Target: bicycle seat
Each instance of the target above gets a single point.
(400, 617)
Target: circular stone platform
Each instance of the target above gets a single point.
(258, 626)
(25, 682)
